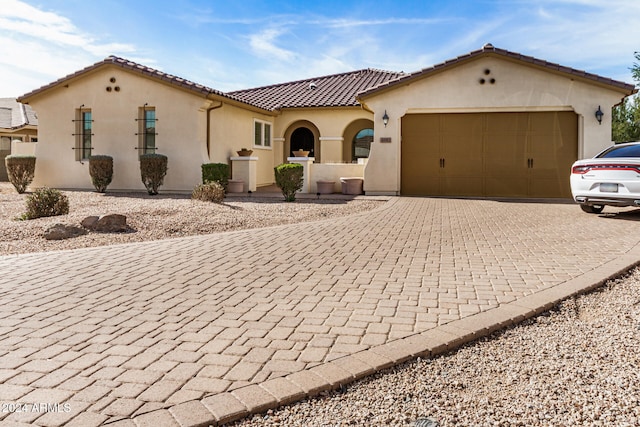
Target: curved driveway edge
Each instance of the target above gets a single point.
(205, 330)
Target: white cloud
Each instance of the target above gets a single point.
(263, 45)
(38, 47)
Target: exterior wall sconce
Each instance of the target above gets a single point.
(599, 115)
(385, 118)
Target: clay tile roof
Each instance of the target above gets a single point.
(14, 115)
(337, 90)
(490, 49)
(136, 68)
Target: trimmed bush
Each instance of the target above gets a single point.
(289, 179)
(216, 172)
(21, 170)
(46, 202)
(101, 171)
(153, 169)
(209, 192)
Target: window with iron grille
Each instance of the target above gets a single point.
(147, 130)
(84, 133)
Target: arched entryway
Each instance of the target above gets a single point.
(357, 139)
(303, 139)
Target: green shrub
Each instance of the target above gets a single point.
(216, 172)
(153, 168)
(46, 202)
(101, 171)
(21, 170)
(289, 178)
(209, 192)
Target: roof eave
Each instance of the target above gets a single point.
(622, 87)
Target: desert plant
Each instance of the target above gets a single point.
(209, 192)
(101, 171)
(46, 202)
(216, 172)
(153, 168)
(289, 178)
(21, 170)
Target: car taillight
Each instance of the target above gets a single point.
(582, 169)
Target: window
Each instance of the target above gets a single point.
(261, 134)
(5, 143)
(84, 133)
(362, 144)
(147, 130)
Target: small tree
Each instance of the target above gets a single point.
(21, 170)
(153, 169)
(625, 122)
(289, 178)
(101, 171)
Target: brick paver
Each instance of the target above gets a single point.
(205, 329)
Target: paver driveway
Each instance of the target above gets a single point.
(182, 331)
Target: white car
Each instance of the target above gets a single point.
(611, 178)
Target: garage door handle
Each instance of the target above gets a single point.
(441, 163)
(530, 163)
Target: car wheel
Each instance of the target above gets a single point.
(594, 209)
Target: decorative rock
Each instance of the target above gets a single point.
(112, 223)
(90, 221)
(63, 231)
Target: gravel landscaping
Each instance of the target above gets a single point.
(159, 217)
(576, 365)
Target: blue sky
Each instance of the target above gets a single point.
(231, 45)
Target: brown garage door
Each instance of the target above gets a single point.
(489, 154)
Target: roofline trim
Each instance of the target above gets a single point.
(489, 49)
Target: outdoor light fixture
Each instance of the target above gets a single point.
(385, 118)
(599, 115)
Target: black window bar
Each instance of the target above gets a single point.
(82, 120)
(144, 119)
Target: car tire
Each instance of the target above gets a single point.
(594, 209)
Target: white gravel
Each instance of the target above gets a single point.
(160, 217)
(576, 365)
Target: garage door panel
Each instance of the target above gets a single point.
(461, 186)
(550, 187)
(503, 187)
(489, 154)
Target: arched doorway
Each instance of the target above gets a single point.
(303, 139)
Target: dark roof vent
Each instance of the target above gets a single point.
(488, 46)
(312, 85)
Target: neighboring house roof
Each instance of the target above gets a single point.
(489, 49)
(136, 68)
(14, 115)
(336, 90)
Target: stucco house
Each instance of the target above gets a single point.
(489, 123)
(18, 122)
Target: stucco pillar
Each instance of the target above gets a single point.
(246, 169)
(306, 163)
(331, 149)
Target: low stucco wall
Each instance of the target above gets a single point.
(19, 148)
(333, 172)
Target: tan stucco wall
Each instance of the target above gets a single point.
(180, 130)
(333, 172)
(232, 128)
(517, 87)
(331, 124)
